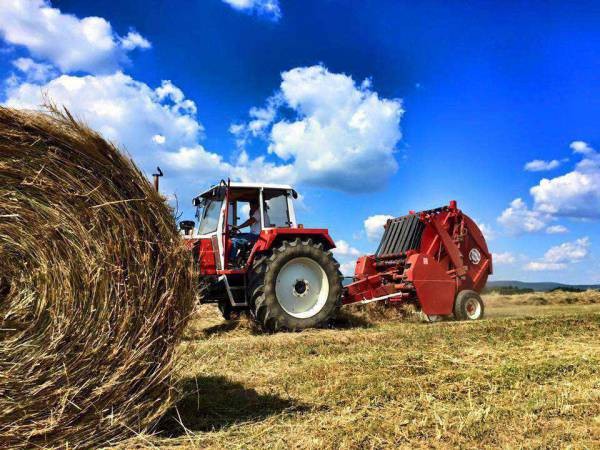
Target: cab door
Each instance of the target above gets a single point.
(211, 231)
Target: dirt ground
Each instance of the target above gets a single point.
(527, 376)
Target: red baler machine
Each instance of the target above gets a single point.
(428, 258)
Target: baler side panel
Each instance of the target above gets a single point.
(435, 288)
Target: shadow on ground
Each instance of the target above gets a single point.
(345, 320)
(342, 321)
(212, 403)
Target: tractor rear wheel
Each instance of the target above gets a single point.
(468, 306)
(295, 286)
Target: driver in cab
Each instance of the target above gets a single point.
(254, 223)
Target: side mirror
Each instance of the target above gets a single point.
(187, 227)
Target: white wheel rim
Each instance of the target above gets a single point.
(473, 308)
(302, 287)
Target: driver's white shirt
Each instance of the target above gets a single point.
(255, 227)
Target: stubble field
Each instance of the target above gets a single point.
(527, 376)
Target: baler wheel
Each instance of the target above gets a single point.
(468, 306)
(296, 286)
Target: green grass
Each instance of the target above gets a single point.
(528, 376)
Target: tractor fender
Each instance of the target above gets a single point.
(273, 236)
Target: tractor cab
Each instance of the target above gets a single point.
(224, 209)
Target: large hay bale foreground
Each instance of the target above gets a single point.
(94, 287)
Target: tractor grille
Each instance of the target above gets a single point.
(401, 234)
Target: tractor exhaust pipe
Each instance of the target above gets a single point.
(157, 175)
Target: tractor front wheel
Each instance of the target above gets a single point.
(468, 306)
(296, 286)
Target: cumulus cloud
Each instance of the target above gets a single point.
(518, 218)
(538, 165)
(581, 147)
(541, 266)
(334, 132)
(374, 226)
(558, 257)
(159, 139)
(575, 194)
(346, 255)
(342, 248)
(266, 8)
(124, 110)
(70, 43)
(503, 258)
(556, 229)
(134, 40)
(487, 230)
(348, 268)
(154, 125)
(568, 251)
(34, 71)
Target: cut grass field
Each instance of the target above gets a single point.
(526, 376)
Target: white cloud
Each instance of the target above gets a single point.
(267, 8)
(518, 218)
(581, 147)
(135, 40)
(558, 257)
(568, 251)
(374, 226)
(346, 255)
(156, 126)
(503, 258)
(348, 268)
(342, 248)
(337, 134)
(487, 230)
(195, 159)
(124, 110)
(556, 229)
(34, 71)
(538, 165)
(540, 266)
(575, 194)
(262, 118)
(159, 139)
(70, 43)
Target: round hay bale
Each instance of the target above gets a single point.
(95, 287)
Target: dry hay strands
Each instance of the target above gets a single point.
(95, 287)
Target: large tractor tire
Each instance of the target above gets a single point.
(295, 286)
(468, 306)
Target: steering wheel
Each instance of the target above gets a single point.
(233, 230)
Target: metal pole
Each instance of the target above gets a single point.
(156, 176)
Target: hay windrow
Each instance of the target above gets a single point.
(95, 287)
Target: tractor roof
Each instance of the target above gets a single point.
(236, 185)
(240, 185)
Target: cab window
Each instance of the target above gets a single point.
(210, 217)
(276, 213)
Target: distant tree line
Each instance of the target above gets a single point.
(514, 290)
(508, 290)
(567, 289)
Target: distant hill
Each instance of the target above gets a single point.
(538, 286)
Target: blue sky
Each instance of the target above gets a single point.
(369, 108)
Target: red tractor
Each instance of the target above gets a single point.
(287, 278)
